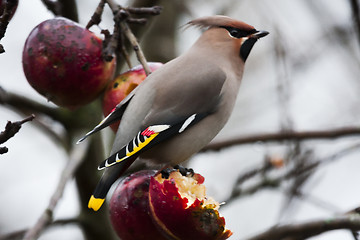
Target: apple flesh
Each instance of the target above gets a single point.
(180, 208)
(122, 85)
(63, 62)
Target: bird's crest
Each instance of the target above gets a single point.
(219, 21)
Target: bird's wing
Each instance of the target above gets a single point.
(115, 115)
(148, 137)
(187, 90)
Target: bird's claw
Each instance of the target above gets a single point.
(165, 173)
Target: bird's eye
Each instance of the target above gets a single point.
(236, 32)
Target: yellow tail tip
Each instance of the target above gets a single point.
(95, 203)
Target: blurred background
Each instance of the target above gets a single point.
(304, 76)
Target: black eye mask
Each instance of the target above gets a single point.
(238, 33)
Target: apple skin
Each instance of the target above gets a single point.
(129, 208)
(177, 220)
(122, 85)
(63, 62)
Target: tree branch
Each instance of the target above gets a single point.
(9, 9)
(129, 35)
(53, 6)
(76, 158)
(284, 136)
(309, 229)
(20, 233)
(267, 181)
(356, 16)
(69, 9)
(26, 105)
(96, 17)
(11, 129)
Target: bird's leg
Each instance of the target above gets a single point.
(165, 173)
(184, 171)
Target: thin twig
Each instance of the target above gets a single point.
(9, 9)
(139, 53)
(275, 182)
(53, 6)
(155, 10)
(130, 36)
(285, 136)
(11, 129)
(356, 16)
(76, 158)
(20, 233)
(110, 50)
(311, 228)
(25, 105)
(96, 17)
(124, 52)
(69, 9)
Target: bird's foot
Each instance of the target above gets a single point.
(165, 173)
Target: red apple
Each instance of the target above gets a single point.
(129, 208)
(122, 85)
(63, 62)
(180, 208)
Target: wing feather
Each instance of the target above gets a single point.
(151, 136)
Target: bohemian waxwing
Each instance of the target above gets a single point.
(182, 106)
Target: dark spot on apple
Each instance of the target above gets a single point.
(61, 37)
(74, 44)
(116, 84)
(93, 41)
(86, 66)
(40, 37)
(30, 52)
(59, 45)
(69, 59)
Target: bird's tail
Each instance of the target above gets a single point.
(110, 175)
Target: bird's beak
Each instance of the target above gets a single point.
(259, 34)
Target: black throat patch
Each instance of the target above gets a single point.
(246, 47)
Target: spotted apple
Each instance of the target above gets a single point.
(63, 62)
(129, 208)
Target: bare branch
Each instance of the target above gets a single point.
(155, 10)
(110, 50)
(53, 6)
(76, 158)
(275, 181)
(356, 15)
(69, 9)
(139, 53)
(11, 129)
(6, 15)
(20, 233)
(26, 105)
(129, 35)
(285, 136)
(311, 228)
(96, 17)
